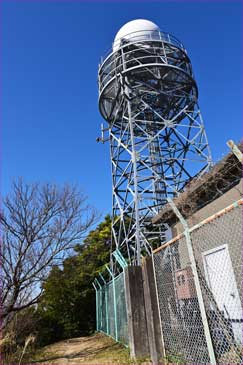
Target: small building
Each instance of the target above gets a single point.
(211, 207)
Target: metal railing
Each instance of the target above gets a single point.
(149, 35)
(114, 62)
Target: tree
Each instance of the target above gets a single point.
(68, 310)
(39, 224)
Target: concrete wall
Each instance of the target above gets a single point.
(144, 331)
(137, 326)
(152, 312)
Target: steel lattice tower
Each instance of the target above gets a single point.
(148, 96)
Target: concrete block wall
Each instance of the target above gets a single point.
(145, 339)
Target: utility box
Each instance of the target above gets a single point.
(185, 286)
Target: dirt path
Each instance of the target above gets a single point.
(96, 349)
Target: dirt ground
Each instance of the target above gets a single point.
(95, 349)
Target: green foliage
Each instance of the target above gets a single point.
(67, 307)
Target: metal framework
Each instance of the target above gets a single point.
(149, 98)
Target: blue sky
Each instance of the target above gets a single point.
(50, 52)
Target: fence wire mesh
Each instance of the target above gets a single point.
(217, 251)
(111, 309)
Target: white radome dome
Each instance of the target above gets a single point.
(140, 29)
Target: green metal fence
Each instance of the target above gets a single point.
(111, 312)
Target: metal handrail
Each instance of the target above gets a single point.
(110, 66)
(150, 36)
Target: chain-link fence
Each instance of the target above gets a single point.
(199, 286)
(111, 312)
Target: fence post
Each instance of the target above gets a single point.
(106, 304)
(114, 301)
(197, 282)
(97, 313)
(99, 304)
(236, 151)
